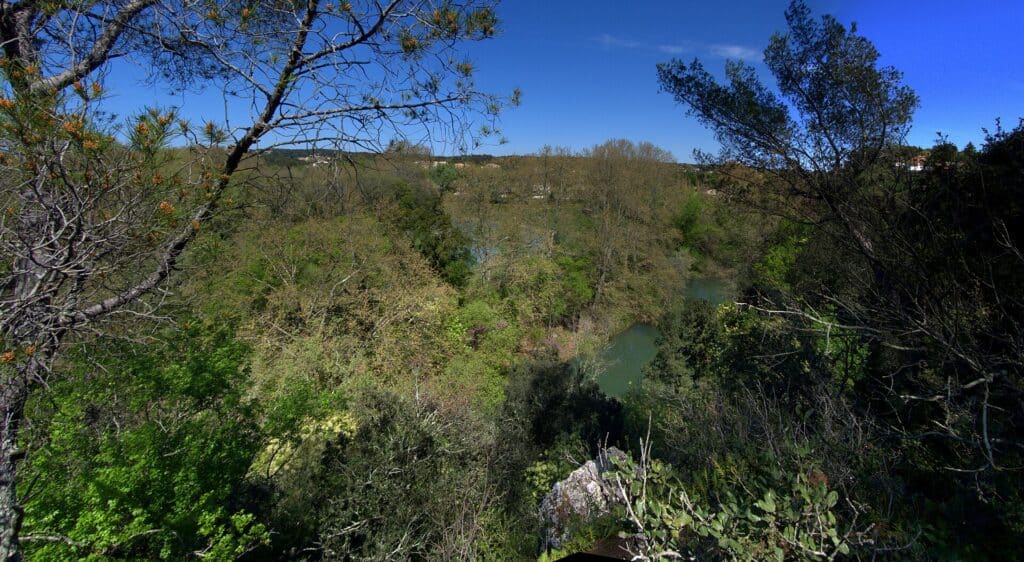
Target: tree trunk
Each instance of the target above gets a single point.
(12, 408)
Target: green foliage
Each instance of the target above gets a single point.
(583, 536)
(541, 476)
(286, 418)
(553, 465)
(546, 402)
(736, 347)
(230, 538)
(152, 454)
(478, 381)
(488, 344)
(845, 355)
(715, 231)
(844, 102)
(576, 283)
(697, 231)
(505, 535)
(761, 517)
(777, 265)
(331, 301)
(690, 343)
(548, 291)
(419, 214)
(395, 486)
(264, 261)
(444, 175)
(891, 317)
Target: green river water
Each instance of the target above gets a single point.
(622, 362)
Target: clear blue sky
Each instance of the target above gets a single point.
(587, 68)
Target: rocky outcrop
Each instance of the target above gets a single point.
(581, 497)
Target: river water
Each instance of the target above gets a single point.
(620, 365)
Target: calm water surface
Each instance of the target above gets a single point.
(628, 353)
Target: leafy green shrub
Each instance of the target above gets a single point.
(547, 291)
(148, 460)
(548, 402)
(408, 484)
(777, 265)
(768, 515)
(475, 380)
(690, 343)
(418, 213)
(700, 230)
(553, 465)
(444, 175)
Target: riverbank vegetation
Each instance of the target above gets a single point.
(394, 355)
(861, 398)
(358, 331)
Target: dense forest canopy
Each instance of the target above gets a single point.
(307, 337)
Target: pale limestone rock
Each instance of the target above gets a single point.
(582, 496)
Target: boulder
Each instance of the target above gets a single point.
(581, 497)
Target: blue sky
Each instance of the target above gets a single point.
(587, 68)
